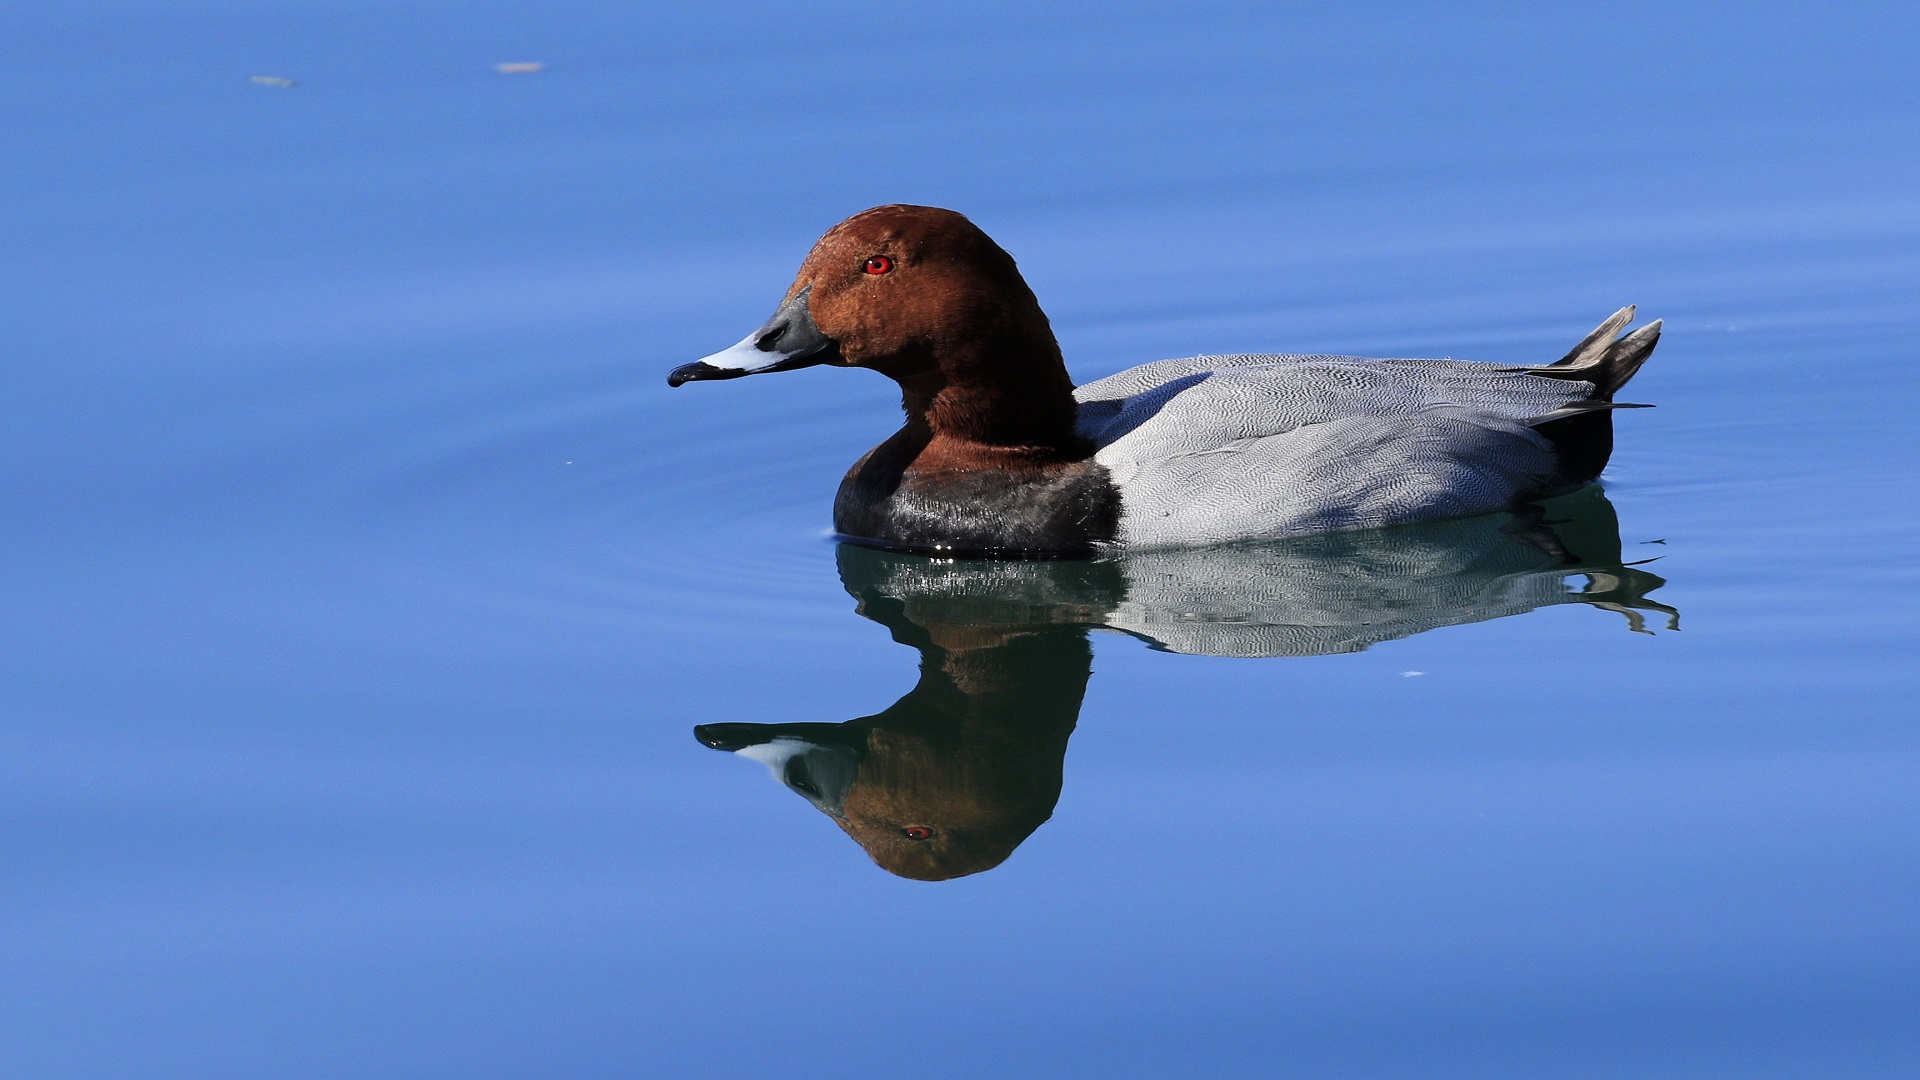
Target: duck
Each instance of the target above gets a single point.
(1001, 455)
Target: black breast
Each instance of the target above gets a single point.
(1061, 511)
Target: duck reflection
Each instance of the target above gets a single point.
(956, 774)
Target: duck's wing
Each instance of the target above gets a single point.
(1218, 449)
(1204, 402)
(1278, 392)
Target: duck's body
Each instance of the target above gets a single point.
(1001, 455)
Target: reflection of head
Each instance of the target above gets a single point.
(965, 767)
(958, 772)
(929, 815)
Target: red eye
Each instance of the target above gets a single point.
(879, 264)
(915, 832)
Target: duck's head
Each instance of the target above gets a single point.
(925, 803)
(917, 293)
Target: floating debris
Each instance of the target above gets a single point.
(272, 80)
(1411, 674)
(519, 67)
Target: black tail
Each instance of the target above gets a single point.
(1583, 431)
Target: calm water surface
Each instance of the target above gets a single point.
(365, 586)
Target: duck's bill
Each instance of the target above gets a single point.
(745, 358)
(787, 341)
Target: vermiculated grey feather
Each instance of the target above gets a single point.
(1249, 445)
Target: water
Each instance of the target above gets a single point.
(365, 583)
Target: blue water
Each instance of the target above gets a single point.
(364, 583)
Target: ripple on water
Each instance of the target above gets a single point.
(608, 501)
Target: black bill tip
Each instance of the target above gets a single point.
(731, 736)
(700, 371)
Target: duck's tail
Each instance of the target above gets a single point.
(1582, 431)
(1604, 360)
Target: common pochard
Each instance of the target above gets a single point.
(1002, 455)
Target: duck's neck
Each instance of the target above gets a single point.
(1005, 401)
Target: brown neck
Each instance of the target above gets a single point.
(1006, 399)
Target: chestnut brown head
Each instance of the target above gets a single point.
(909, 291)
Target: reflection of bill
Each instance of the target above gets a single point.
(951, 778)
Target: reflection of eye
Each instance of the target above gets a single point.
(917, 832)
(879, 264)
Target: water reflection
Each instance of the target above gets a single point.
(952, 777)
